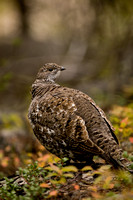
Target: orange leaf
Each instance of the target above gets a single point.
(41, 164)
(41, 147)
(44, 158)
(111, 186)
(16, 161)
(4, 162)
(131, 139)
(125, 120)
(53, 193)
(95, 195)
(76, 187)
(44, 185)
(55, 168)
(8, 148)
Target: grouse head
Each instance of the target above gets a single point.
(49, 72)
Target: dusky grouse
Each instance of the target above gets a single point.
(69, 123)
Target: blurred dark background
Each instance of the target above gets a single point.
(93, 39)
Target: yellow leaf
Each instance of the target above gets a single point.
(51, 174)
(107, 182)
(49, 168)
(68, 175)
(93, 188)
(104, 167)
(56, 159)
(69, 169)
(61, 181)
(87, 168)
(27, 161)
(29, 154)
(97, 180)
(1, 154)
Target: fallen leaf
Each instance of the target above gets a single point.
(87, 168)
(44, 158)
(8, 148)
(93, 188)
(1, 154)
(125, 120)
(41, 164)
(41, 147)
(55, 168)
(95, 195)
(131, 139)
(53, 193)
(69, 169)
(111, 186)
(16, 161)
(44, 185)
(76, 187)
(5, 162)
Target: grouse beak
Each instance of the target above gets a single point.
(62, 68)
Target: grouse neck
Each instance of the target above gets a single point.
(41, 87)
(44, 81)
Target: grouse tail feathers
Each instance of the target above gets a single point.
(122, 164)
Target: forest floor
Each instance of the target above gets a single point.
(40, 175)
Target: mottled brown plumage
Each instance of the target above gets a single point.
(69, 123)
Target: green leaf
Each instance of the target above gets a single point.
(125, 154)
(65, 159)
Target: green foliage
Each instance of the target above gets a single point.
(12, 120)
(17, 42)
(39, 182)
(5, 80)
(122, 120)
(50, 181)
(3, 62)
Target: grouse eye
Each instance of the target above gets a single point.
(50, 69)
